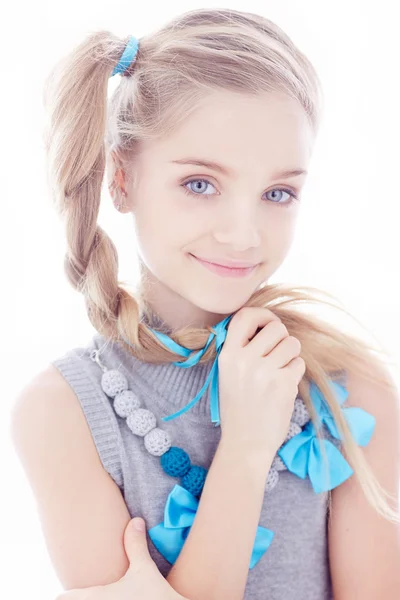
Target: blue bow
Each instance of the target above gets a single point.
(361, 423)
(302, 454)
(179, 514)
(220, 334)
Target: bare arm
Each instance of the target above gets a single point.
(214, 562)
(82, 512)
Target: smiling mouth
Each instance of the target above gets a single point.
(227, 264)
(225, 271)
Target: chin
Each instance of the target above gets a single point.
(219, 306)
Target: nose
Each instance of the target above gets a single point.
(239, 226)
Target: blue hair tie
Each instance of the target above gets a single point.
(127, 57)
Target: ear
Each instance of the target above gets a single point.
(116, 178)
(110, 172)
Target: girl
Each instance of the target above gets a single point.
(260, 444)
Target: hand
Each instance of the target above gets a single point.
(142, 581)
(259, 373)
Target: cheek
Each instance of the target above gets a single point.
(166, 209)
(278, 236)
(162, 233)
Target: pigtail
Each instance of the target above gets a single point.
(76, 103)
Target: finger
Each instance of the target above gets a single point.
(298, 367)
(268, 340)
(245, 325)
(135, 543)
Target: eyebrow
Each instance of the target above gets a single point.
(226, 171)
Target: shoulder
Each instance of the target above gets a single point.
(49, 380)
(47, 390)
(379, 397)
(47, 409)
(377, 394)
(66, 408)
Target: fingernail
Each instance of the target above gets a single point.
(139, 523)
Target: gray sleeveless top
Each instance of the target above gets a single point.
(295, 566)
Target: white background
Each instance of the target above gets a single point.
(348, 234)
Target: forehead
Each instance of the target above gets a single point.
(241, 130)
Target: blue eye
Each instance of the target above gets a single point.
(188, 191)
(293, 197)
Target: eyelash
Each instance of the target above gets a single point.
(293, 195)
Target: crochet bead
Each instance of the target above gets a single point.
(194, 480)
(272, 480)
(157, 441)
(300, 414)
(278, 463)
(141, 421)
(113, 382)
(294, 429)
(175, 462)
(125, 402)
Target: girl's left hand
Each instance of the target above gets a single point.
(142, 581)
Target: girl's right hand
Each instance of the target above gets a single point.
(142, 581)
(259, 374)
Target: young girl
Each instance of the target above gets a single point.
(259, 443)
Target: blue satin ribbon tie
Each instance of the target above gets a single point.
(302, 454)
(220, 335)
(179, 514)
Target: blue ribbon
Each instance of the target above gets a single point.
(361, 423)
(302, 454)
(220, 335)
(179, 514)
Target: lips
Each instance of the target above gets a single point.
(225, 271)
(228, 264)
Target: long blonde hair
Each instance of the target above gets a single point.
(197, 52)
